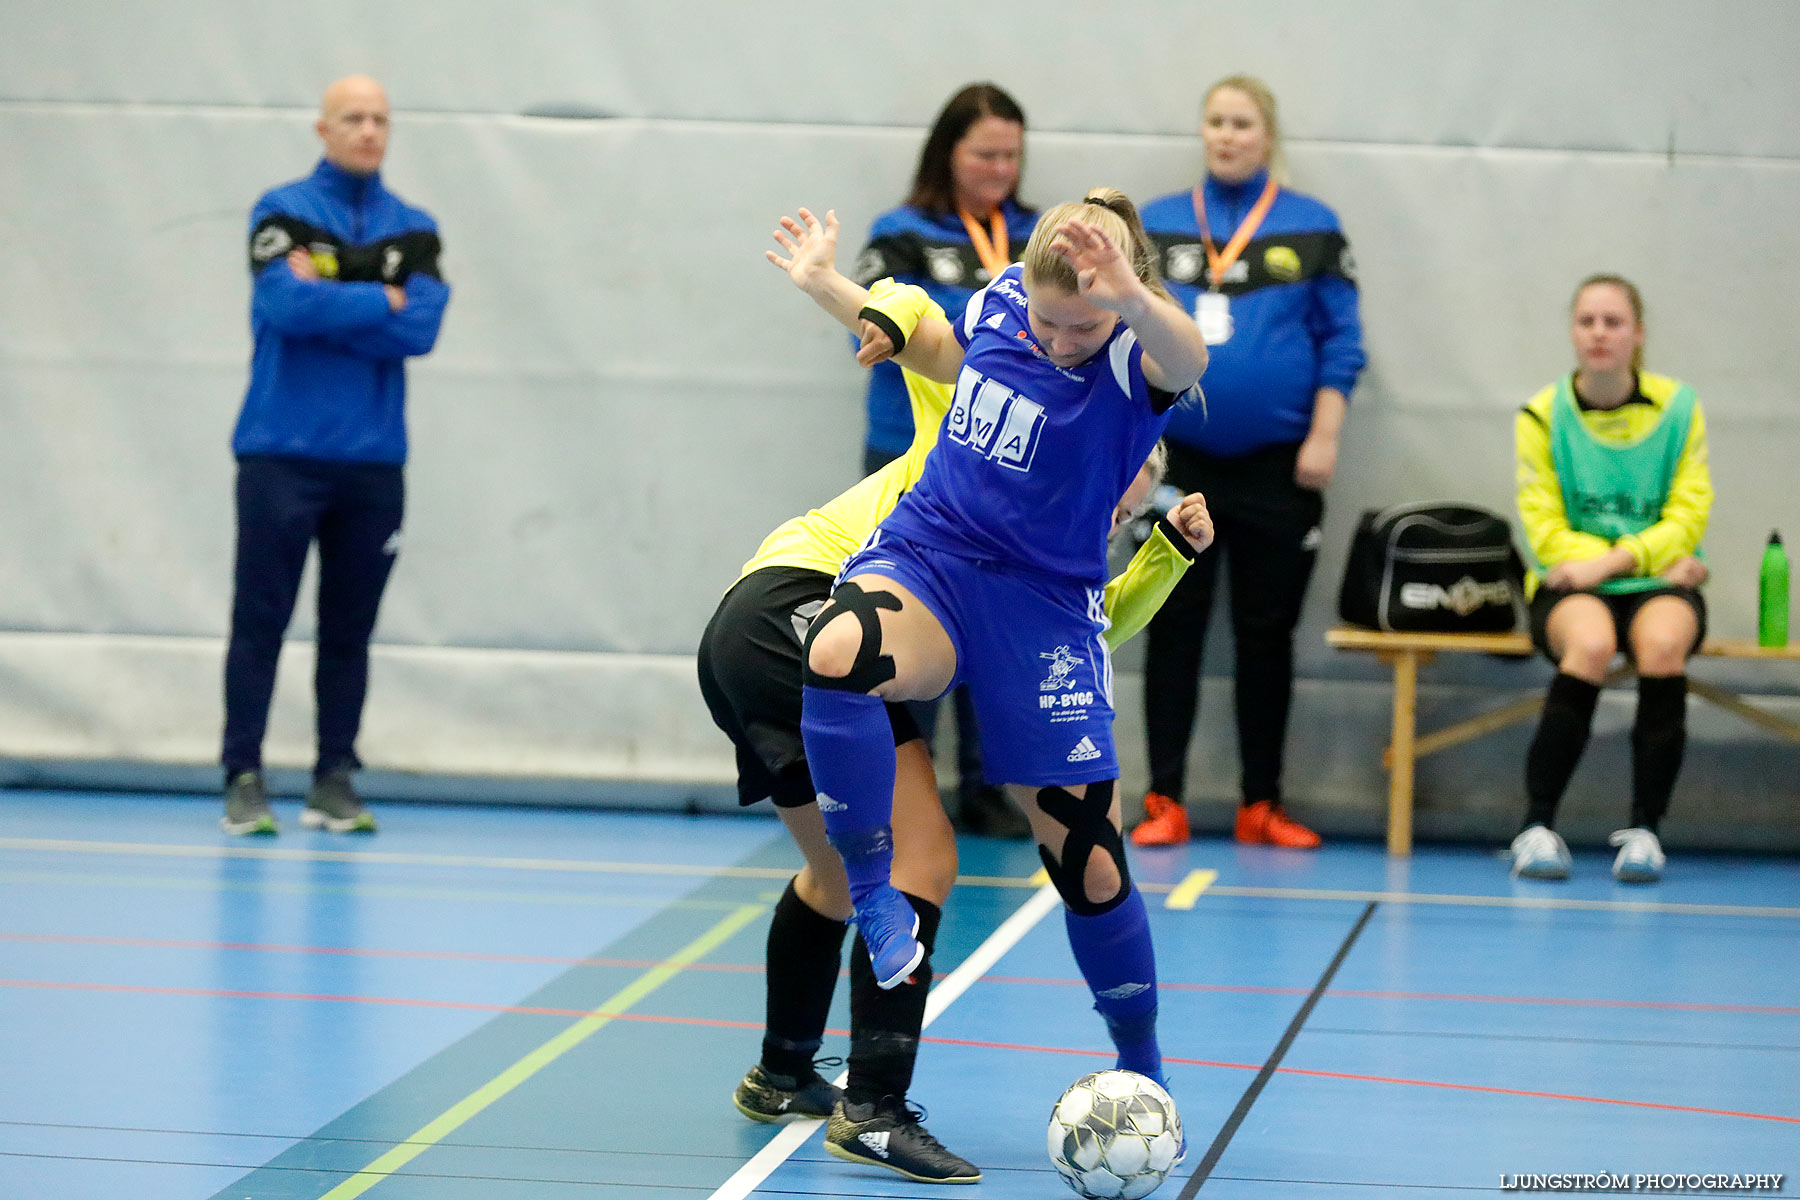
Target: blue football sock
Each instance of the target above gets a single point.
(850, 750)
(1114, 952)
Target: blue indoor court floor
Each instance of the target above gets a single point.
(549, 1004)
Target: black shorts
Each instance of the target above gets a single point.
(749, 665)
(1623, 606)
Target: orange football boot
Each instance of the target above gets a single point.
(1264, 824)
(1165, 822)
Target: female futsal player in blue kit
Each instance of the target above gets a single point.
(990, 571)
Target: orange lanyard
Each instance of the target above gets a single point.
(994, 252)
(1218, 262)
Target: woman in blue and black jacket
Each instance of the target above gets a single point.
(1267, 274)
(962, 224)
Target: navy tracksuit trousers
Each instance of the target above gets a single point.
(284, 505)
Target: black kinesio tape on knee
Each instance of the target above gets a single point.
(871, 668)
(1086, 819)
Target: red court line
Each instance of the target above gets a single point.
(1429, 1083)
(1500, 1091)
(646, 964)
(1463, 997)
(215, 993)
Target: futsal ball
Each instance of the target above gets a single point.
(1115, 1134)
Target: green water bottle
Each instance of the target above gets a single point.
(1772, 610)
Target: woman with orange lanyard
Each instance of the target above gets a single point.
(961, 225)
(1277, 306)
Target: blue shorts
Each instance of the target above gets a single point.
(1031, 652)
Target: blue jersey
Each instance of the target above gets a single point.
(1032, 457)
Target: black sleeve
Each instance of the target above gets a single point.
(392, 260)
(418, 255)
(275, 235)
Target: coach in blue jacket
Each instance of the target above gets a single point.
(1266, 272)
(346, 289)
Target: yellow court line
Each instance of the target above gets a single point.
(1038, 878)
(1189, 889)
(469, 1106)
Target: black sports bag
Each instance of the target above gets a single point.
(1439, 567)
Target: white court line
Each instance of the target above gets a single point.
(1676, 908)
(750, 1176)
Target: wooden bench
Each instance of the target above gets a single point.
(1406, 652)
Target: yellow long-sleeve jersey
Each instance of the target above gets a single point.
(822, 539)
(1548, 531)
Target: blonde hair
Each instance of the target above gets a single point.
(1632, 297)
(1158, 462)
(1264, 98)
(1117, 216)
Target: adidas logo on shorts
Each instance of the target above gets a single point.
(1084, 750)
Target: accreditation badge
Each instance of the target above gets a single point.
(1212, 312)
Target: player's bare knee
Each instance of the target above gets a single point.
(1100, 881)
(1662, 656)
(832, 652)
(1588, 654)
(843, 645)
(1090, 874)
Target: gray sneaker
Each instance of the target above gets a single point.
(333, 805)
(247, 805)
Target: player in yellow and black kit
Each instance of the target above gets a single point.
(1614, 493)
(749, 665)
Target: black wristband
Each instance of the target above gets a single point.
(1181, 544)
(884, 323)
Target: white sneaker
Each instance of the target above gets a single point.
(1640, 857)
(1540, 853)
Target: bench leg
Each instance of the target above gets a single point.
(1400, 776)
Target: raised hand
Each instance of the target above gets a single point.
(1192, 521)
(811, 247)
(1103, 276)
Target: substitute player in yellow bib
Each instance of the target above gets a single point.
(1614, 494)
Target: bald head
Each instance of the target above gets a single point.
(353, 124)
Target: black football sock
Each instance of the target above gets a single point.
(885, 1024)
(804, 950)
(1658, 741)
(1562, 734)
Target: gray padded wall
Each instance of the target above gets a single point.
(626, 397)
